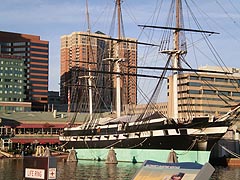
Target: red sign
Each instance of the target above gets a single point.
(52, 173)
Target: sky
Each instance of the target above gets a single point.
(50, 19)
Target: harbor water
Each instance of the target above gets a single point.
(11, 169)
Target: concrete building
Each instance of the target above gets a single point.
(12, 79)
(34, 52)
(12, 83)
(98, 54)
(206, 93)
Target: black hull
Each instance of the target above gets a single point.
(167, 143)
(158, 136)
(178, 142)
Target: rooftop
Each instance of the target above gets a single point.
(43, 117)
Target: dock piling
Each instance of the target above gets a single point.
(172, 157)
(111, 158)
(72, 156)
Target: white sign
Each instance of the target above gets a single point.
(34, 173)
(52, 173)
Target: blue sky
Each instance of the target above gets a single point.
(53, 18)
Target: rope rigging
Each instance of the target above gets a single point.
(164, 45)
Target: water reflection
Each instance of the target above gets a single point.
(92, 170)
(11, 169)
(221, 173)
(112, 171)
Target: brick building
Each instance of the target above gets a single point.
(35, 55)
(97, 53)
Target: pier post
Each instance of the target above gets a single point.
(72, 156)
(111, 158)
(172, 157)
(47, 152)
(134, 160)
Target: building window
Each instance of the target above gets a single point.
(38, 44)
(19, 43)
(221, 80)
(39, 50)
(207, 78)
(39, 55)
(194, 78)
(209, 92)
(194, 84)
(226, 93)
(193, 92)
(19, 49)
(236, 94)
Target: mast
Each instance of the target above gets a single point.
(90, 77)
(88, 19)
(175, 62)
(118, 90)
(116, 60)
(118, 80)
(89, 68)
(119, 18)
(175, 54)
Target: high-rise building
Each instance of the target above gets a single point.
(96, 56)
(35, 53)
(206, 93)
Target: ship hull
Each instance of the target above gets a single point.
(191, 145)
(182, 142)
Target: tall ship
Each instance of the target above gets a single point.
(150, 134)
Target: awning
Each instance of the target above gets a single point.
(36, 140)
(30, 126)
